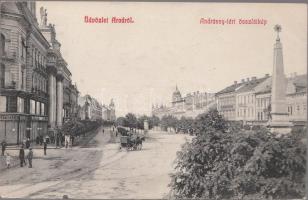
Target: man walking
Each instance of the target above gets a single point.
(22, 156)
(30, 156)
(45, 147)
(28, 143)
(3, 145)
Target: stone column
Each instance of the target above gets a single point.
(52, 100)
(59, 101)
(279, 122)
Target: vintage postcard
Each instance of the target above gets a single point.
(153, 100)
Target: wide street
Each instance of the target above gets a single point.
(97, 170)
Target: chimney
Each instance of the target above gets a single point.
(253, 78)
(266, 75)
(235, 82)
(247, 79)
(243, 80)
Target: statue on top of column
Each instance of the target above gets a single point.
(43, 13)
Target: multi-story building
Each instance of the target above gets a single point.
(251, 100)
(23, 73)
(89, 108)
(31, 73)
(109, 112)
(226, 100)
(190, 105)
(246, 100)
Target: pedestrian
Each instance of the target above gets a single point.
(3, 145)
(37, 140)
(28, 143)
(22, 156)
(30, 157)
(73, 138)
(8, 160)
(103, 130)
(45, 147)
(41, 140)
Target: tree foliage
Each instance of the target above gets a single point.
(75, 127)
(168, 121)
(226, 162)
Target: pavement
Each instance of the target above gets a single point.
(96, 170)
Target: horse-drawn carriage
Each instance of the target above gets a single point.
(131, 141)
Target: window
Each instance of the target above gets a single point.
(20, 105)
(11, 104)
(32, 107)
(42, 109)
(23, 48)
(38, 108)
(2, 103)
(2, 76)
(2, 41)
(33, 57)
(22, 78)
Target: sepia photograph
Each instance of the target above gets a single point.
(153, 100)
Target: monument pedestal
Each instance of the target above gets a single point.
(280, 123)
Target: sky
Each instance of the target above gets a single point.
(139, 64)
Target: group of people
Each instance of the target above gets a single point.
(22, 155)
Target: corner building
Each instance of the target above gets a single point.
(23, 74)
(32, 71)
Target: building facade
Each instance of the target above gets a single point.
(252, 102)
(108, 112)
(31, 74)
(190, 105)
(89, 108)
(24, 75)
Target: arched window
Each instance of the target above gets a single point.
(2, 42)
(2, 76)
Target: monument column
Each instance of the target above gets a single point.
(279, 122)
(59, 100)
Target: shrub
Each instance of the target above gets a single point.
(222, 162)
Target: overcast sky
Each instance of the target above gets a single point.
(139, 64)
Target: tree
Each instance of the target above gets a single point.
(131, 120)
(169, 121)
(154, 121)
(121, 121)
(212, 119)
(225, 162)
(186, 124)
(140, 121)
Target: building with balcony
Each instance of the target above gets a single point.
(32, 71)
(23, 73)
